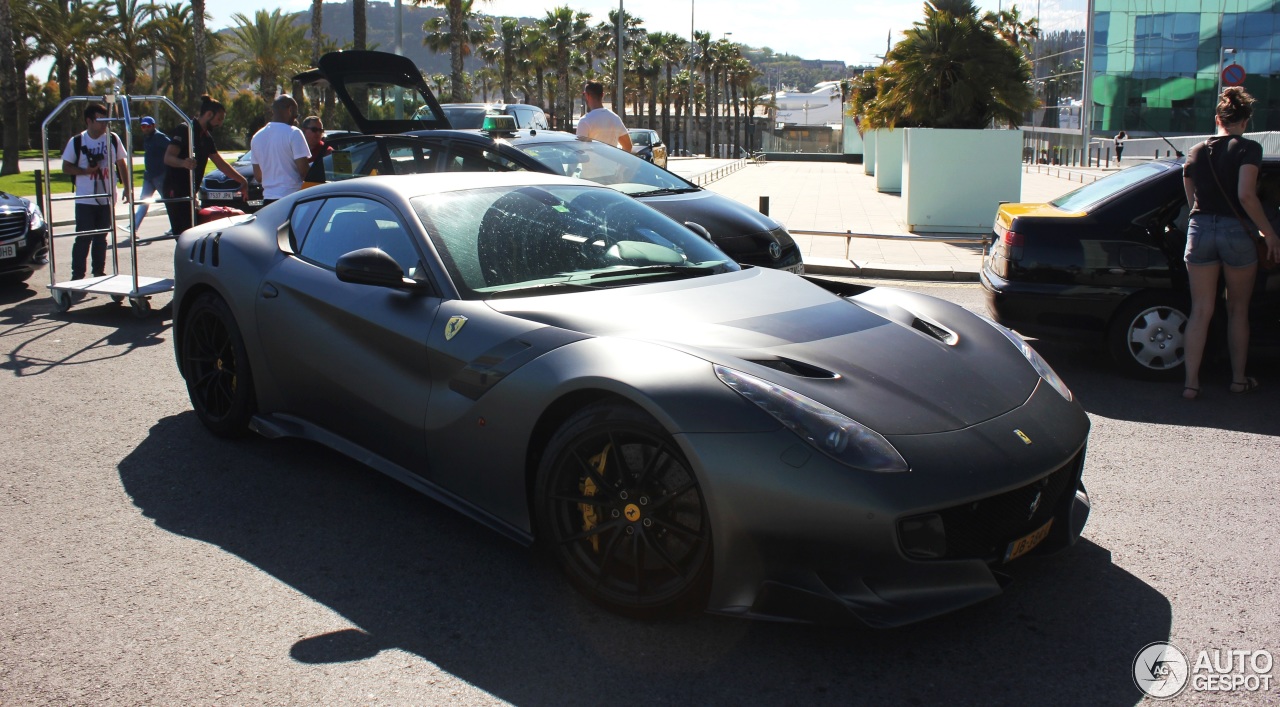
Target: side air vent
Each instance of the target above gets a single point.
(796, 368)
(936, 331)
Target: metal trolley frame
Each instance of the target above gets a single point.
(137, 288)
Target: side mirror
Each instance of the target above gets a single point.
(698, 229)
(372, 266)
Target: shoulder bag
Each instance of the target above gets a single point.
(1259, 243)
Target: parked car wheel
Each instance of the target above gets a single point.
(1148, 336)
(216, 367)
(623, 513)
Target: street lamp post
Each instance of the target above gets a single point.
(619, 96)
(688, 116)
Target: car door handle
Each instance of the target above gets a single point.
(1117, 271)
(269, 291)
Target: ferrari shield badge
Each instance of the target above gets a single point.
(1021, 435)
(453, 326)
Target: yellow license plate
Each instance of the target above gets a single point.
(1027, 543)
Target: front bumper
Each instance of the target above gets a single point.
(25, 251)
(802, 538)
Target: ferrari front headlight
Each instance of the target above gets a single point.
(835, 435)
(1042, 367)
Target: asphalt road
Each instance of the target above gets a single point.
(143, 561)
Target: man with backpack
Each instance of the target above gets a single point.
(88, 157)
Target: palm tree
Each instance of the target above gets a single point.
(507, 35)
(705, 62)
(670, 49)
(360, 30)
(645, 69)
(9, 89)
(268, 48)
(28, 45)
(131, 41)
(754, 97)
(1010, 26)
(952, 71)
(565, 30)
(174, 24)
(317, 30)
(458, 31)
(535, 56)
(199, 83)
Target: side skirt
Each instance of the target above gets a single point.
(275, 426)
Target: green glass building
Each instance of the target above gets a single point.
(1153, 66)
(1156, 65)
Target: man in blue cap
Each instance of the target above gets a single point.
(154, 144)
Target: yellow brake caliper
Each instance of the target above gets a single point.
(590, 517)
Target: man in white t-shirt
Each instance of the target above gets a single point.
(281, 156)
(88, 156)
(600, 123)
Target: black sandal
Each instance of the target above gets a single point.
(1195, 393)
(1248, 385)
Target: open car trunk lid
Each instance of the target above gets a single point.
(367, 81)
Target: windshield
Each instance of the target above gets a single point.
(641, 138)
(1090, 195)
(465, 117)
(544, 239)
(602, 164)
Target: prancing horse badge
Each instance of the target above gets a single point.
(453, 326)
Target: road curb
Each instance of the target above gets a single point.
(887, 271)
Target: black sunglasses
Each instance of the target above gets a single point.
(314, 129)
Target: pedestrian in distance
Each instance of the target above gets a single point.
(89, 156)
(313, 130)
(1220, 177)
(281, 155)
(600, 123)
(1120, 138)
(154, 145)
(187, 163)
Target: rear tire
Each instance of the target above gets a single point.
(622, 512)
(215, 365)
(1147, 338)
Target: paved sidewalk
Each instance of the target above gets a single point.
(838, 197)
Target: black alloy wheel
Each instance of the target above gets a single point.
(216, 367)
(622, 512)
(1148, 336)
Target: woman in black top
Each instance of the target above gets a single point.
(183, 171)
(1221, 177)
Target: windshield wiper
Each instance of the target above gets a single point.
(678, 270)
(542, 288)
(665, 191)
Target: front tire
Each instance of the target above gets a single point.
(1148, 336)
(622, 512)
(215, 365)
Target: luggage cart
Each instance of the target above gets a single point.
(137, 288)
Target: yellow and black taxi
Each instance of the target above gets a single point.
(376, 87)
(1103, 265)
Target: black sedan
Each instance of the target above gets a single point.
(569, 367)
(749, 236)
(1103, 265)
(24, 239)
(217, 189)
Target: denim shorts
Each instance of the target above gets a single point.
(1212, 238)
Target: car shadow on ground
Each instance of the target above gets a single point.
(1103, 390)
(410, 574)
(28, 321)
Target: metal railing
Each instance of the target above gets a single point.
(704, 178)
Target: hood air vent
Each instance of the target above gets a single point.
(796, 368)
(936, 331)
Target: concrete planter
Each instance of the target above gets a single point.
(852, 140)
(889, 160)
(869, 152)
(954, 180)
